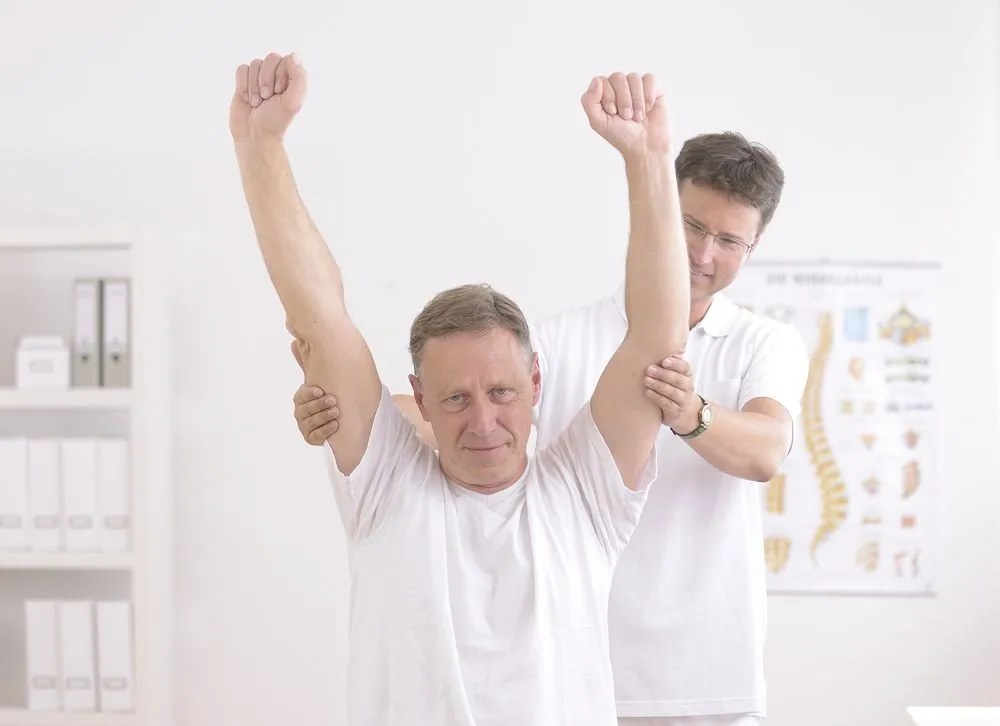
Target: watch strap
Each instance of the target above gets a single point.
(702, 426)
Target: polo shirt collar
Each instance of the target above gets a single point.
(718, 322)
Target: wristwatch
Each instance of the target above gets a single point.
(704, 420)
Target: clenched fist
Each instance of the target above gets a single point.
(269, 93)
(628, 111)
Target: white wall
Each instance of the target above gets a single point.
(437, 132)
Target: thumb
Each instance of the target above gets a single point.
(591, 99)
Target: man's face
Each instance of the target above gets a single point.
(731, 226)
(477, 392)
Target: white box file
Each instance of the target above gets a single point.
(42, 641)
(76, 641)
(13, 495)
(44, 505)
(114, 525)
(114, 655)
(78, 466)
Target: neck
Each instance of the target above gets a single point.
(490, 488)
(699, 309)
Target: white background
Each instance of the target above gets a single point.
(443, 142)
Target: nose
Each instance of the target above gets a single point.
(700, 250)
(482, 419)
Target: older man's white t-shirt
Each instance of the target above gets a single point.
(475, 610)
(687, 613)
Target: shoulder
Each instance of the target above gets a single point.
(579, 444)
(763, 335)
(576, 321)
(394, 447)
(577, 316)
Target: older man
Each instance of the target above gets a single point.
(480, 576)
(688, 603)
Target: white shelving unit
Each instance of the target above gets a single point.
(148, 566)
(73, 399)
(10, 717)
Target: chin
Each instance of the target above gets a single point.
(493, 468)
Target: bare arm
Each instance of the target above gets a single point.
(306, 277)
(657, 301)
(750, 444)
(751, 432)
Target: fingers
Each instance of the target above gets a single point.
(317, 406)
(677, 364)
(254, 84)
(638, 94)
(669, 410)
(651, 91)
(670, 377)
(320, 426)
(306, 393)
(678, 396)
(317, 437)
(623, 95)
(608, 100)
(631, 96)
(281, 76)
(243, 81)
(266, 79)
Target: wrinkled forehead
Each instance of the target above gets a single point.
(473, 361)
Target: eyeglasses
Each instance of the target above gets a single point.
(726, 244)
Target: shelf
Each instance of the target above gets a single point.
(59, 239)
(17, 717)
(65, 561)
(73, 398)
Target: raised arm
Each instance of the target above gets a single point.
(335, 357)
(631, 114)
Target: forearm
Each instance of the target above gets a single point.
(302, 270)
(743, 444)
(657, 277)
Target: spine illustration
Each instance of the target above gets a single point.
(832, 487)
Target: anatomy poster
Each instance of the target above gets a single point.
(851, 510)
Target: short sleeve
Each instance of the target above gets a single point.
(581, 458)
(395, 458)
(778, 370)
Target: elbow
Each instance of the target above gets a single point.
(765, 466)
(762, 472)
(676, 343)
(317, 320)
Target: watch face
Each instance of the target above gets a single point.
(706, 414)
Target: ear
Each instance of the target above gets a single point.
(536, 379)
(418, 396)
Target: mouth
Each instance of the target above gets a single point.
(699, 273)
(484, 449)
